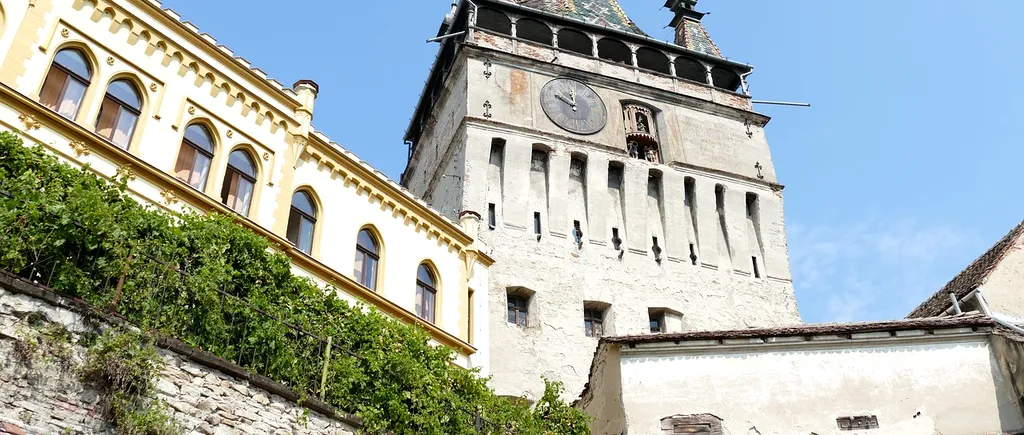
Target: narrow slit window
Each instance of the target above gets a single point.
(656, 249)
(536, 223)
(693, 254)
(757, 271)
(616, 241)
(577, 233)
(492, 218)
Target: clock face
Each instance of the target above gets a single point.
(573, 106)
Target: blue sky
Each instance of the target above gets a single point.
(903, 171)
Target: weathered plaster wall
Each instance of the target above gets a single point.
(1002, 289)
(46, 397)
(926, 385)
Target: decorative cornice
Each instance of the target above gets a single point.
(30, 121)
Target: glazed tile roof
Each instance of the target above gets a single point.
(972, 277)
(605, 13)
(696, 38)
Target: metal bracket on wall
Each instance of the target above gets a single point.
(487, 109)
(759, 168)
(487, 68)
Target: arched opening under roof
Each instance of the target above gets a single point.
(493, 20)
(533, 30)
(576, 42)
(690, 69)
(651, 59)
(614, 50)
(725, 78)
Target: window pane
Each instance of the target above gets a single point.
(199, 136)
(244, 196)
(125, 128)
(183, 167)
(429, 305)
(52, 88)
(357, 268)
(419, 300)
(425, 275)
(371, 273)
(241, 161)
(72, 99)
(367, 242)
(302, 201)
(124, 91)
(74, 61)
(108, 115)
(306, 236)
(200, 170)
(294, 222)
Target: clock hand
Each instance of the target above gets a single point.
(572, 92)
(566, 101)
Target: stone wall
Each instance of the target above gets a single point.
(42, 393)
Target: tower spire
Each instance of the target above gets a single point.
(690, 33)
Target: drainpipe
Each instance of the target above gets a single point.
(999, 318)
(956, 303)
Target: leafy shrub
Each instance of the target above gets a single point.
(181, 275)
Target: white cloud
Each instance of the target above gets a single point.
(876, 268)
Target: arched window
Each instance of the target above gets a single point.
(576, 42)
(119, 113)
(493, 20)
(66, 82)
(690, 69)
(651, 59)
(614, 50)
(239, 182)
(533, 30)
(194, 158)
(426, 293)
(725, 79)
(367, 257)
(302, 221)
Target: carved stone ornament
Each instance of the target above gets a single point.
(65, 33)
(31, 123)
(191, 110)
(266, 156)
(153, 87)
(169, 197)
(230, 133)
(126, 173)
(79, 148)
(110, 60)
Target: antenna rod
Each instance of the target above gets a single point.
(781, 103)
(450, 35)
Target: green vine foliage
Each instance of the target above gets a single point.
(81, 233)
(124, 366)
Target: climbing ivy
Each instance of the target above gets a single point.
(180, 275)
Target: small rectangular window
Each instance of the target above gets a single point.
(536, 223)
(593, 322)
(757, 271)
(492, 218)
(518, 310)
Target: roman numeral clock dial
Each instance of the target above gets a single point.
(573, 106)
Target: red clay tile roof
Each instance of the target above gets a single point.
(971, 278)
(971, 319)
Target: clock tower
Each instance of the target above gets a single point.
(625, 185)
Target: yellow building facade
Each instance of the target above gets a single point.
(129, 89)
